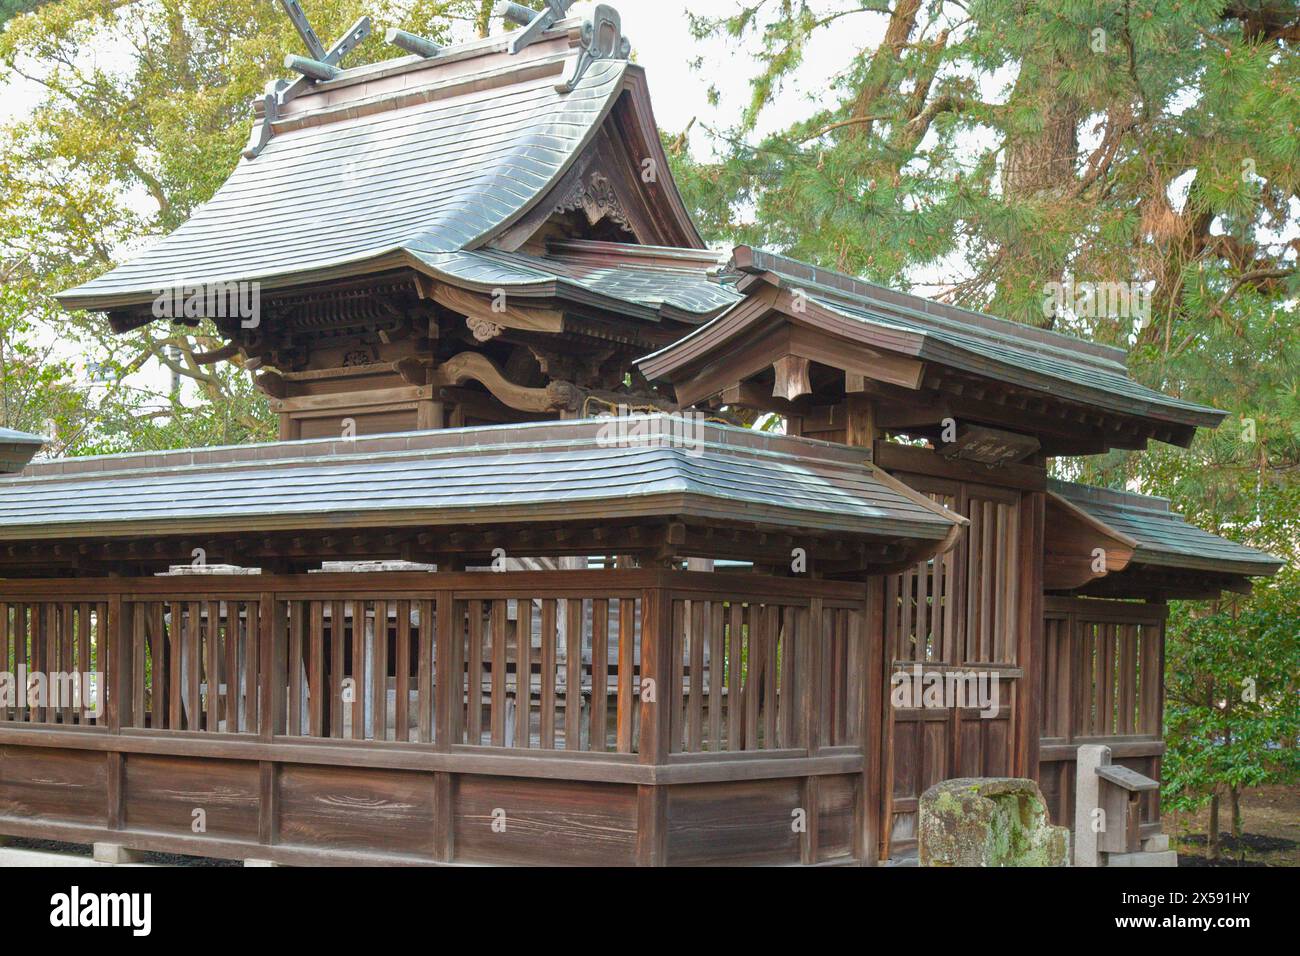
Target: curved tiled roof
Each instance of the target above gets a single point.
(435, 160)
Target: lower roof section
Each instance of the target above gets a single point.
(664, 467)
(1149, 549)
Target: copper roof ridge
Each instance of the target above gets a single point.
(454, 53)
(582, 433)
(437, 88)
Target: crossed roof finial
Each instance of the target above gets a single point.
(320, 63)
(533, 22)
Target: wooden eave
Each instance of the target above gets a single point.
(1164, 558)
(551, 294)
(1155, 583)
(1072, 540)
(652, 540)
(926, 381)
(562, 476)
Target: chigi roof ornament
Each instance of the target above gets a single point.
(533, 22)
(319, 64)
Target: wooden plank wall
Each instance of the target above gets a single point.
(1103, 682)
(306, 720)
(963, 611)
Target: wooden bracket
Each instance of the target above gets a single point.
(475, 366)
(792, 378)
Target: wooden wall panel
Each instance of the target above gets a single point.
(59, 785)
(233, 734)
(162, 793)
(961, 611)
(836, 804)
(749, 822)
(551, 822)
(345, 808)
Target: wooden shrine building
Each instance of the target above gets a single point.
(517, 559)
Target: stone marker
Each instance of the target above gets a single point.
(989, 821)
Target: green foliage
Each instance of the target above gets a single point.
(997, 146)
(144, 110)
(1232, 684)
(11, 8)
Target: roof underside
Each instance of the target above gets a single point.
(436, 160)
(1164, 539)
(511, 474)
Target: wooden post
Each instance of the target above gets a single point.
(114, 678)
(1029, 693)
(656, 664)
(448, 692)
(809, 849)
(273, 627)
(812, 683)
(860, 421)
(869, 828)
(449, 705)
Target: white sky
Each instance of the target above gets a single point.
(662, 43)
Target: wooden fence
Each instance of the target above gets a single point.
(610, 716)
(1102, 679)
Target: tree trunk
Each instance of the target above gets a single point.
(902, 21)
(1234, 803)
(1212, 841)
(1040, 170)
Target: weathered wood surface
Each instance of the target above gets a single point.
(960, 612)
(307, 720)
(1102, 679)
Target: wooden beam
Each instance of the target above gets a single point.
(906, 459)
(483, 311)
(860, 421)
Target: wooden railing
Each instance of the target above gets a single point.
(537, 663)
(64, 643)
(620, 716)
(1102, 682)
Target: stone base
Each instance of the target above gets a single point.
(1156, 844)
(989, 821)
(1158, 858)
(43, 859)
(115, 855)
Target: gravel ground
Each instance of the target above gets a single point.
(76, 849)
